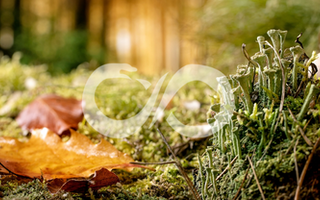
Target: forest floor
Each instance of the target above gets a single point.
(120, 99)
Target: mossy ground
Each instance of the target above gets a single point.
(118, 99)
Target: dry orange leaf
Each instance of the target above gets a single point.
(101, 178)
(46, 155)
(56, 113)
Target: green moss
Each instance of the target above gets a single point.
(32, 190)
(118, 99)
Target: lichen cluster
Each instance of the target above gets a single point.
(275, 125)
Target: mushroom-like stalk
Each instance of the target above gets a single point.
(296, 51)
(282, 35)
(214, 173)
(201, 175)
(206, 184)
(277, 80)
(260, 60)
(269, 53)
(275, 40)
(263, 139)
(211, 172)
(260, 40)
(285, 63)
(243, 81)
(236, 93)
(277, 37)
(270, 73)
(236, 141)
(274, 36)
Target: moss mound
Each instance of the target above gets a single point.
(274, 130)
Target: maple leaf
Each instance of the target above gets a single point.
(56, 113)
(46, 156)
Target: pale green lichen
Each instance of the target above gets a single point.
(268, 132)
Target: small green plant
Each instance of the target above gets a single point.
(273, 129)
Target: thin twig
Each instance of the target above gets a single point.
(300, 129)
(180, 168)
(11, 172)
(154, 163)
(305, 168)
(295, 160)
(239, 190)
(246, 55)
(305, 126)
(226, 169)
(255, 176)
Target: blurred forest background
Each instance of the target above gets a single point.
(152, 35)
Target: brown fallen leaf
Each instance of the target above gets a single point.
(101, 178)
(45, 155)
(56, 113)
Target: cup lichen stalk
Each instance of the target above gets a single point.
(296, 51)
(260, 40)
(260, 60)
(211, 171)
(283, 88)
(274, 36)
(201, 175)
(263, 139)
(277, 82)
(282, 35)
(243, 81)
(270, 73)
(269, 54)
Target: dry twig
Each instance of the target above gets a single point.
(255, 176)
(11, 172)
(300, 129)
(224, 171)
(295, 160)
(305, 168)
(180, 168)
(154, 163)
(242, 183)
